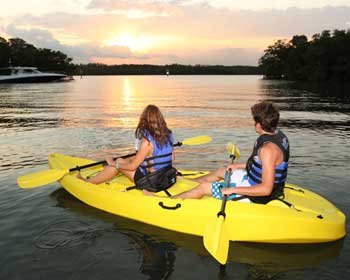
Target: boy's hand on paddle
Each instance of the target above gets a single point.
(235, 166)
(227, 191)
(232, 166)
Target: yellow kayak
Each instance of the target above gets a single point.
(270, 257)
(303, 216)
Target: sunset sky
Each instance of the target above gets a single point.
(224, 32)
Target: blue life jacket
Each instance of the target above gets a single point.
(161, 157)
(254, 166)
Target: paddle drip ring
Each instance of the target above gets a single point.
(66, 234)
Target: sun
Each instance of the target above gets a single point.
(138, 43)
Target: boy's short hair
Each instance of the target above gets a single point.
(266, 114)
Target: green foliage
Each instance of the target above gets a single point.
(19, 53)
(174, 69)
(326, 57)
(4, 52)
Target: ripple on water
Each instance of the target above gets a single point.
(96, 116)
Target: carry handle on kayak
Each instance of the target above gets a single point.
(177, 206)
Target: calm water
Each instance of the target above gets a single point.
(47, 233)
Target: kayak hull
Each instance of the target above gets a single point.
(311, 219)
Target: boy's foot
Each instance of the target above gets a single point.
(80, 177)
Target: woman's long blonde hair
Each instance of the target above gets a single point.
(152, 122)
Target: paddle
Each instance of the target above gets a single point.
(215, 237)
(45, 177)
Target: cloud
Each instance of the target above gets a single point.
(193, 20)
(147, 5)
(37, 37)
(200, 33)
(81, 53)
(226, 23)
(223, 56)
(279, 5)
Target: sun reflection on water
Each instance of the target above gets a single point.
(127, 92)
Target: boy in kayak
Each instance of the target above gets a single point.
(154, 156)
(262, 178)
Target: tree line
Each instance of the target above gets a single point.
(172, 69)
(17, 52)
(326, 57)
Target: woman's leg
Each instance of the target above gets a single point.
(105, 175)
(129, 174)
(216, 175)
(203, 189)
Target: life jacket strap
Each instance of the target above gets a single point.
(277, 171)
(169, 162)
(160, 156)
(251, 176)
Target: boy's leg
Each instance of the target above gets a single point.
(216, 175)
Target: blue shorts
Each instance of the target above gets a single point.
(216, 190)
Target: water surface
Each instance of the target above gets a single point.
(47, 233)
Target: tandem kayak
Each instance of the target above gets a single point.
(156, 245)
(302, 217)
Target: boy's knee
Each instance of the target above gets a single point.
(221, 171)
(205, 188)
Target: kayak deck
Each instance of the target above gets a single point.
(306, 217)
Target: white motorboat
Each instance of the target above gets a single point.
(28, 75)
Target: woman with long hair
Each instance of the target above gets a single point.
(154, 145)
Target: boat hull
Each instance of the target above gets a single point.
(311, 219)
(33, 79)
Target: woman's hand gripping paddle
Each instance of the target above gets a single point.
(215, 238)
(45, 177)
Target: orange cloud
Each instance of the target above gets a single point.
(169, 31)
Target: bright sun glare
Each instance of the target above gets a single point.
(134, 43)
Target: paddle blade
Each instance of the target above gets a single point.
(216, 241)
(198, 140)
(41, 178)
(232, 149)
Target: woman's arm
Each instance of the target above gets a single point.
(145, 150)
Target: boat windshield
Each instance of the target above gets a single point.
(5, 72)
(29, 71)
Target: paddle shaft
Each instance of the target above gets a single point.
(224, 199)
(78, 168)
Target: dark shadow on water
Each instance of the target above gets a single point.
(297, 96)
(157, 247)
(340, 126)
(315, 107)
(330, 89)
(30, 123)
